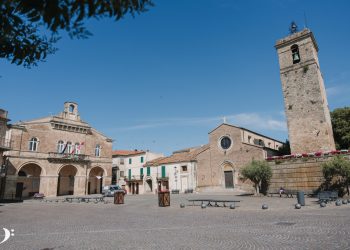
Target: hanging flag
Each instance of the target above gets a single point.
(73, 150)
(64, 149)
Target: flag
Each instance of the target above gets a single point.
(64, 149)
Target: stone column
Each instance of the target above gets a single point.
(48, 185)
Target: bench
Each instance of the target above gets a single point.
(85, 199)
(327, 196)
(188, 191)
(213, 202)
(175, 191)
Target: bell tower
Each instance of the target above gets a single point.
(305, 101)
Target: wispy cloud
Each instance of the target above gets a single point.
(247, 120)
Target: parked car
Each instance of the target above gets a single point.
(111, 189)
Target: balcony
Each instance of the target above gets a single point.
(67, 158)
(5, 144)
(135, 178)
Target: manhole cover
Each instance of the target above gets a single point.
(285, 223)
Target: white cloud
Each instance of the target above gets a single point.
(251, 121)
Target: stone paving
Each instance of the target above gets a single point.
(141, 224)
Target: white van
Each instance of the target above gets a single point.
(110, 190)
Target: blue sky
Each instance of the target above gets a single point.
(162, 80)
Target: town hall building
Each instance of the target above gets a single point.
(57, 155)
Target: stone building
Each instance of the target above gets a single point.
(5, 145)
(58, 155)
(128, 169)
(215, 166)
(306, 107)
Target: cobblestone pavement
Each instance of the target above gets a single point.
(141, 224)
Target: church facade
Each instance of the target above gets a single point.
(57, 155)
(216, 165)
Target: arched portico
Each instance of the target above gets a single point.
(28, 180)
(66, 179)
(95, 180)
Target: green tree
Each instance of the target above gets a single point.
(337, 174)
(285, 149)
(29, 28)
(259, 172)
(341, 127)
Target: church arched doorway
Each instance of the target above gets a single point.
(66, 178)
(28, 180)
(95, 180)
(228, 175)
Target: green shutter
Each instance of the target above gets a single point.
(130, 161)
(163, 171)
(129, 174)
(141, 171)
(141, 159)
(148, 171)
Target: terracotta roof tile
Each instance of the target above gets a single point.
(179, 156)
(127, 152)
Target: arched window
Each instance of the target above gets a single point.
(71, 108)
(33, 144)
(60, 147)
(77, 148)
(69, 148)
(295, 53)
(97, 150)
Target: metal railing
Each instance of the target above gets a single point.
(54, 156)
(135, 178)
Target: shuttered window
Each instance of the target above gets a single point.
(163, 171)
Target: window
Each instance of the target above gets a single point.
(60, 147)
(141, 159)
(129, 174)
(121, 161)
(184, 168)
(33, 144)
(163, 171)
(295, 54)
(97, 150)
(130, 160)
(249, 139)
(225, 142)
(71, 108)
(121, 173)
(141, 171)
(77, 148)
(69, 147)
(148, 171)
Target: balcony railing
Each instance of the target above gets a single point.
(57, 157)
(135, 178)
(5, 144)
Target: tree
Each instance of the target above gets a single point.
(341, 127)
(259, 172)
(29, 28)
(337, 174)
(285, 148)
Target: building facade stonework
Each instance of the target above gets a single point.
(58, 155)
(306, 106)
